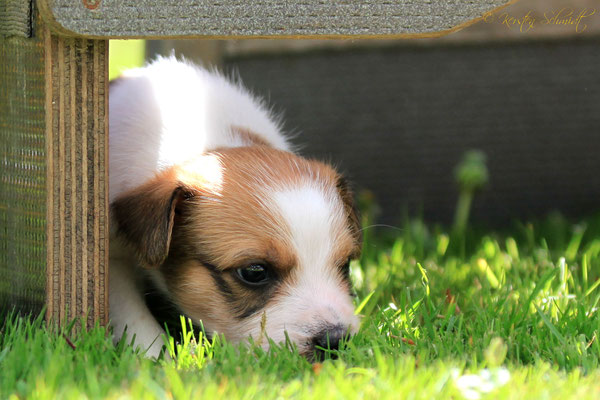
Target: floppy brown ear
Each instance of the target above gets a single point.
(145, 217)
(352, 212)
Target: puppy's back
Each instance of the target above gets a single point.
(171, 111)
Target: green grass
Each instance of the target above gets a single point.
(498, 315)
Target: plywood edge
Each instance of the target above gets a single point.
(77, 178)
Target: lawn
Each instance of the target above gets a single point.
(474, 314)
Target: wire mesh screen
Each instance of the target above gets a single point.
(22, 175)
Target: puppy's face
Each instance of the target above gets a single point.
(252, 241)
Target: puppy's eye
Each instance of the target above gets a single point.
(255, 274)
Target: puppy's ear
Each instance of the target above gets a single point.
(352, 212)
(145, 217)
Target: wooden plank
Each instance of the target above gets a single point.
(269, 18)
(76, 131)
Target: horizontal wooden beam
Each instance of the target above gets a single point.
(269, 18)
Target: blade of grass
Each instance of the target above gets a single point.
(592, 288)
(550, 326)
(363, 303)
(538, 287)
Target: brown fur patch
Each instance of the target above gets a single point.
(194, 290)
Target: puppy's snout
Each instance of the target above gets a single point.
(330, 337)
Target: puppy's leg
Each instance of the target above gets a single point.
(128, 309)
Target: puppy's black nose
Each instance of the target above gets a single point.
(329, 338)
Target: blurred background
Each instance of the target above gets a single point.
(396, 115)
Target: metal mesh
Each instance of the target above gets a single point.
(15, 18)
(22, 175)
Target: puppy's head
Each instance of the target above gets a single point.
(252, 241)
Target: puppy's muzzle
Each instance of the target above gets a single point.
(329, 339)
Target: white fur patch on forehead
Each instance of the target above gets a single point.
(315, 218)
(204, 172)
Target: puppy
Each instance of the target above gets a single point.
(213, 217)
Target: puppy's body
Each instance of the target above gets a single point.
(227, 223)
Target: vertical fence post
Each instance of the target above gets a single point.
(54, 175)
(76, 73)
